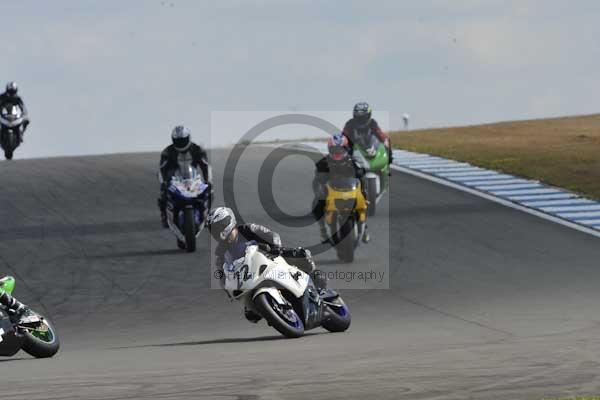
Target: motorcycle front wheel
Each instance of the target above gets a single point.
(281, 317)
(347, 241)
(371, 196)
(8, 144)
(189, 230)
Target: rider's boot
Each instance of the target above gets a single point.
(366, 237)
(251, 315)
(323, 231)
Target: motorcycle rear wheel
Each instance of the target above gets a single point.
(41, 344)
(337, 318)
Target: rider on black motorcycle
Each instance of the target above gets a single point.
(10, 98)
(337, 164)
(233, 239)
(363, 124)
(182, 151)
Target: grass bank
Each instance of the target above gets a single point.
(559, 151)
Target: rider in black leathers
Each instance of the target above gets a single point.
(233, 239)
(9, 98)
(362, 124)
(337, 163)
(182, 150)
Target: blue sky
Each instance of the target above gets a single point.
(113, 76)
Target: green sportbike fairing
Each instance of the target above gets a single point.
(373, 156)
(7, 285)
(29, 332)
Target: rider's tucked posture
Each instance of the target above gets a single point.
(10, 98)
(363, 124)
(233, 239)
(183, 151)
(337, 164)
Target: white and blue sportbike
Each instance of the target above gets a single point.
(188, 198)
(283, 294)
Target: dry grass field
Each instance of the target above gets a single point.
(559, 151)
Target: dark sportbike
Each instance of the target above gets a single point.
(31, 332)
(11, 129)
(188, 199)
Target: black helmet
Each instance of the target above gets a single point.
(12, 88)
(362, 114)
(181, 137)
(220, 223)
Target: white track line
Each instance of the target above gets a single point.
(591, 207)
(580, 215)
(595, 222)
(494, 181)
(554, 196)
(492, 188)
(469, 180)
(476, 172)
(548, 203)
(526, 191)
(499, 200)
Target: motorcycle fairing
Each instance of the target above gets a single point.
(10, 340)
(7, 284)
(335, 198)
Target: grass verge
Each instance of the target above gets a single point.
(560, 151)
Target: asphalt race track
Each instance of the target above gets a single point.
(485, 301)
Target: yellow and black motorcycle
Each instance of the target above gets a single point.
(345, 215)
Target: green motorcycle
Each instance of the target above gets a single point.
(30, 332)
(372, 155)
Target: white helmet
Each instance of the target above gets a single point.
(220, 222)
(181, 137)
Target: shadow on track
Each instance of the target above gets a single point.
(218, 341)
(141, 253)
(16, 359)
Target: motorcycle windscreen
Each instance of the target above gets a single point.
(345, 184)
(368, 141)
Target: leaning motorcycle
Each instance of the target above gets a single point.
(284, 295)
(187, 205)
(31, 332)
(372, 155)
(345, 215)
(11, 128)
